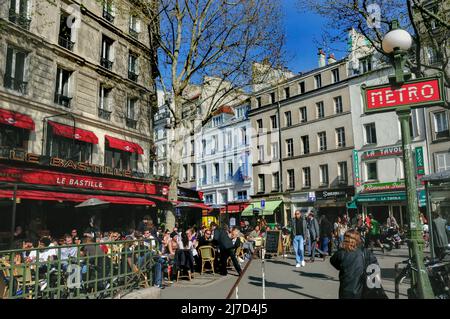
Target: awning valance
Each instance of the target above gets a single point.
(16, 119)
(191, 205)
(268, 209)
(71, 197)
(73, 133)
(124, 145)
(233, 208)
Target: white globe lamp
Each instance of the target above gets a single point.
(396, 39)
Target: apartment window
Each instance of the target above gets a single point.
(224, 196)
(320, 110)
(214, 144)
(275, 150)
(288, 118)
(244, 135)
(342, 173)
(338, 105)
(108, 10)
(229, 175)
(303, 115)
(335, 75)
(209, 199)
(62, 92)
(66, 37)
(20, 13)
(133, 67)
(273, 120)
(371, 133)
(323, 175)
(192, 147)
(275, 181)
(259, 123)
(442, 161)
(13, 137)
(241, 112)
(322, 136)
(107, 53)
(272, 97)
(441, 124)
(185, 172)
(306, 177)
(258, 101)
(365, 64)
(371, 171)
(217, 120)
(302, 87)
(241, 195)
(261, 185)
(305, 144)
(290, 147)
(261, 153)
(291, 179)
(203, 147)
(204, 179)
(131, 113)
(434, 56)
(287, 93)
(340, 137)
(104, 107)
(135, 26)
(67, 148)
(216, 176)
(16, 70)
(193, 172)
(318, 81)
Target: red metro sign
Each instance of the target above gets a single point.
(414, 93)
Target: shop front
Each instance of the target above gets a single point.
(189, 208)
(333, 202)
(303, 201)
(271, 210)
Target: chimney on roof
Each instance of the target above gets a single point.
(322, 56)
(331, 59)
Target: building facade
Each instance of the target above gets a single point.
(77, 86)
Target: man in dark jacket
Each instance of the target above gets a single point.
(313, 228)
(440, 239)
(226, 250)
(299, 233)
(326, 232)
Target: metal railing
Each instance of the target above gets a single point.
(16, 84)
(66, 43)
(235, 288)
(91, 270)
(20, 19)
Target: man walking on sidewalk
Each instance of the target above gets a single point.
(299, 231)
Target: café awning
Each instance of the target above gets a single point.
(73, 133)
(268, 209)
(233, 208)
(180, 204)
(16, 119)
(124, 145)
(72, 197)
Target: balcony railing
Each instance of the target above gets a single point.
(108, 16)
(62, 100)
(16, 85)
(19, 19)
(104, 62)
(131, 123)
(134, 33)
(215, 179)
(66, 43)
(132, 76)
(104, 114)
(442, 134)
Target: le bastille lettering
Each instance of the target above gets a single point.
(78, 182)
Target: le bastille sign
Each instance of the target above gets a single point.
(412, 94)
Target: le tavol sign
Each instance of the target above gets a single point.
(412, 94)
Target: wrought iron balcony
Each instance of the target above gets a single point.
(16, 85)
(104, 114)
(66, 43)
(106, 63)
(62, 100)
(131, 123)
(108, 16)
(132, 76)
(134, 33)
(19, 19)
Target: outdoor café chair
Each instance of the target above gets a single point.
(208, 255)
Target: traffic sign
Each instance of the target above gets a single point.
(263, 203)
(412, 94)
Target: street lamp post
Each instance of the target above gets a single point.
(396, 43)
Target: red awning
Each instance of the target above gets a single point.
(124, 145)
(69, 132)
(16, 119)
(234, 208)
(70, 197)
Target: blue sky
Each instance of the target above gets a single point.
(303, 35)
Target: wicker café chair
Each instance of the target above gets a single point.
(208, 255)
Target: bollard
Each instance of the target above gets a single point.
(263, 253)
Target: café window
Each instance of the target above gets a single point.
(67, 148)
(13, 137)
(120, 159)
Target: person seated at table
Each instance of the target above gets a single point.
(184, 258)
(173, 245)
(67, 252)
(206, 239)
(44, 254)
(255, 233)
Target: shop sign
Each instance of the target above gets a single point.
(383, 187)
(384, 152)
(335, 194)
(303, 197)
(420, 166)
(356, 168)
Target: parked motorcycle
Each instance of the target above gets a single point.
(390, 238)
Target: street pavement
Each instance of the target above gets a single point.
(318, 280)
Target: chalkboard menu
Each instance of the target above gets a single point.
(273, 242)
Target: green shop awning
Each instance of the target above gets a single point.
(383, 197)
(268, 209)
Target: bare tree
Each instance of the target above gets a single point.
(200, 38)
(427, 21)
